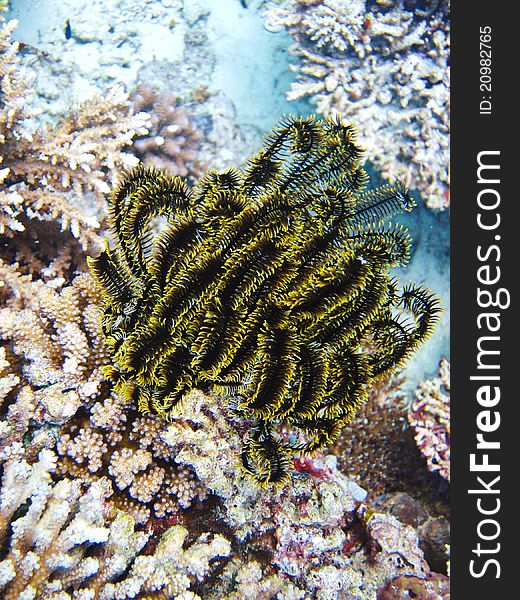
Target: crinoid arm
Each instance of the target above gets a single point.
(271, 282)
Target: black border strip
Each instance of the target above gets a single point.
(493, 135)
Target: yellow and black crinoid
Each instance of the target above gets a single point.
(271, 281)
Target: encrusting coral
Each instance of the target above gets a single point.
(386, 65)
(44, 172)
(430, 417)
(271, 282)
(173, 140)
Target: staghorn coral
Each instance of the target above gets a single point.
(173, 140)
(59, 519)
(272, 281)
(430, 417)
(46, 253)
(386, 65)
(66, 545)
(44, 173)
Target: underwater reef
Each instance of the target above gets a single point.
(43, 172)
(384, 64)
(99, 500)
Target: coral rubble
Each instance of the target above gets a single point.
(386, 66)
(272, 281)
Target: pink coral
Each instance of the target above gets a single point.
(430, 416)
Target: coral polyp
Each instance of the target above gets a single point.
(271, 283)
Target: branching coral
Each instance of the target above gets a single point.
(173, 140)
(58, 334)
(430, 417)
(111, 440)
(272, 281)
(169, 572)
(311, 537)
(386, 65)
(63, 544)
(44, 174)
(45, 537)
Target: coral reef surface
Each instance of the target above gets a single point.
(173, 139)
(99, 501)
(313, 538)
(45, 172)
